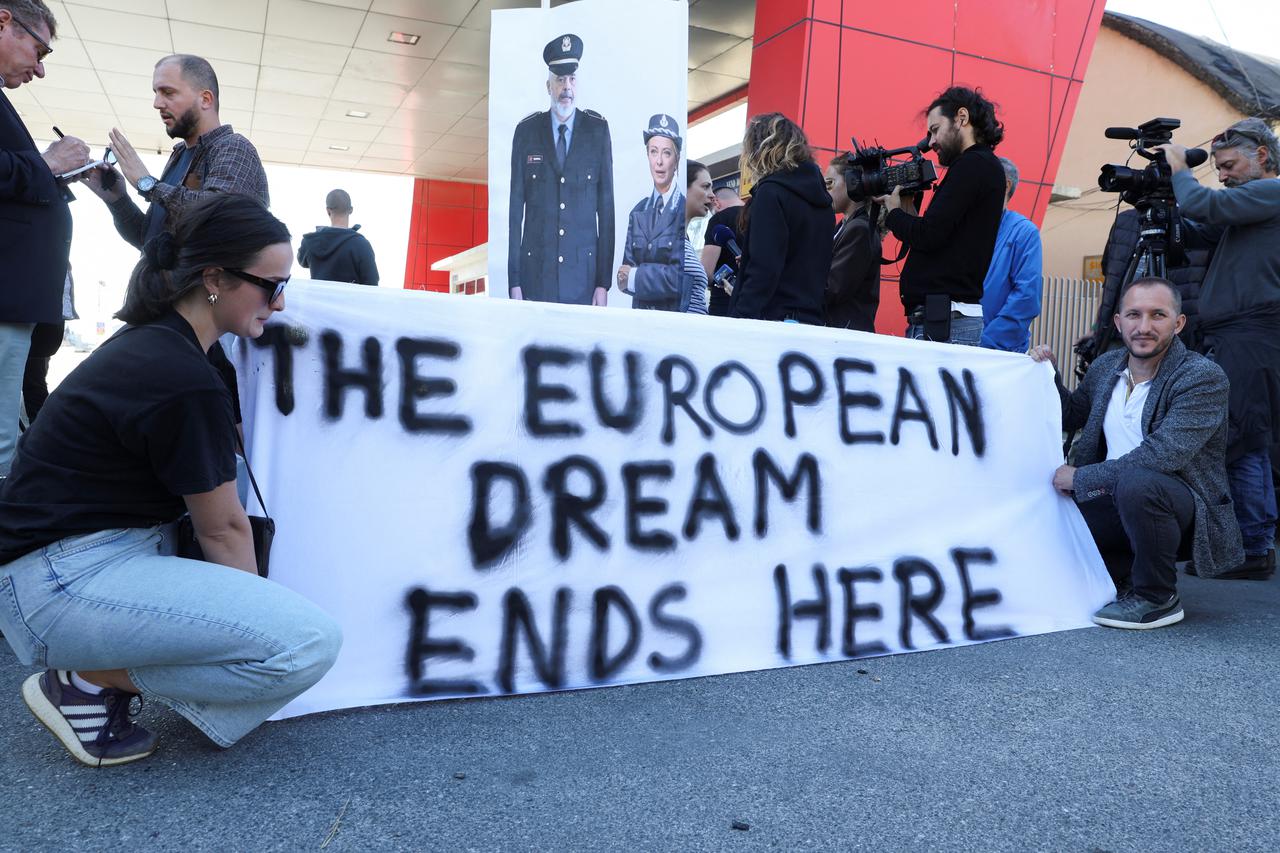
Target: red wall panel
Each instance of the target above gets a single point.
(774, 16)
(447, 218)
(983, 29)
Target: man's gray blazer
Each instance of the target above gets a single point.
(1184, 429)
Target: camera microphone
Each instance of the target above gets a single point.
(1196, 156)
(722, 236)
(1122, 133)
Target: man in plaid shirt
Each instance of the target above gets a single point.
(209, 156)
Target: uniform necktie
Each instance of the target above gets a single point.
(562, 148)
(659, 207)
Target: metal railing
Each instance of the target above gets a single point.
(1067, 310)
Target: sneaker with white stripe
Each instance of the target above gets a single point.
(98, 730)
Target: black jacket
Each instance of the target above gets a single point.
(853, 285)
(786, 253)
(35, 228)
(338, 254)
(952, 242)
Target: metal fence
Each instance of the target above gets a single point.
(1068, 308)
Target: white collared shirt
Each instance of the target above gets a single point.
(1122, 423)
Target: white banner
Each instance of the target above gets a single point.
(496, 497)
(624, 62)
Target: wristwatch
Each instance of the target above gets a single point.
(145, 185)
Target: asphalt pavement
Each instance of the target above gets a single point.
(1088, 740)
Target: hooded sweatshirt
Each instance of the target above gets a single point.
(786, 251)
(338, 254)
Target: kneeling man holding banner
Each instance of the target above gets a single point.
(1149, 467)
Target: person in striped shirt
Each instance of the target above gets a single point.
(699, 200)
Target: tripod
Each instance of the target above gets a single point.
(1159, 242)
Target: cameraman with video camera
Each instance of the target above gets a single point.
(1240, 315)
(952, 243)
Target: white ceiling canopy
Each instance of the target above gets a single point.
(392, 86)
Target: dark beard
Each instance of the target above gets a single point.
(184, 125)
(947, 154)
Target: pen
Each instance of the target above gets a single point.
(60, 133)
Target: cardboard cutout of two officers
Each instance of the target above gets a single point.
(561, 230)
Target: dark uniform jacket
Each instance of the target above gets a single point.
(655, 250)
(560, 247)
(853, 285)
(35, 228)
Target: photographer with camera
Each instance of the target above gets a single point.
(1240, 315)
(952, 243)
(1151, 239)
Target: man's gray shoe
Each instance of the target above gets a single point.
(1136, 613)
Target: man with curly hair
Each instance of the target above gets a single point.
(952, 242)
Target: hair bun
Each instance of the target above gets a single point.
(161, 251)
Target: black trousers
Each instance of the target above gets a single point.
(1142, 530)
(45, 340)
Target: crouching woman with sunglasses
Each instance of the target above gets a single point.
(141, 432)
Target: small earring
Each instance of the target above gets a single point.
(213, 299)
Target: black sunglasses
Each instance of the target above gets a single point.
(1246, 135)
(275, 288)
(43, 53)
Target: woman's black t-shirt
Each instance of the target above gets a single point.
(143, 421)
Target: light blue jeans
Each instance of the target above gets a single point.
(15, 344)
(223, 648)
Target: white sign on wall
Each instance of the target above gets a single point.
(612, 65)
(495, 497)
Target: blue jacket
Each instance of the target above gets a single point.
(35, 228)
(1011, 291)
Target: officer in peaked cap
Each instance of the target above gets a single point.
(563, 54)
(653, 252)
(560, 244)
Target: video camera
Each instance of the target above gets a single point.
(1154, 181)
(1160, 229)
(872, 172)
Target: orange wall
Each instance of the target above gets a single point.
(447, 218)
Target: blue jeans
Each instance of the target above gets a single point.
(15, 343)
(223, 648)
(964, 330)
(1254, 495)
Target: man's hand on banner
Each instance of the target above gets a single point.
(624, 277)
(516, 293)
(1043, 353)
(600, 297)
(1064, 480)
